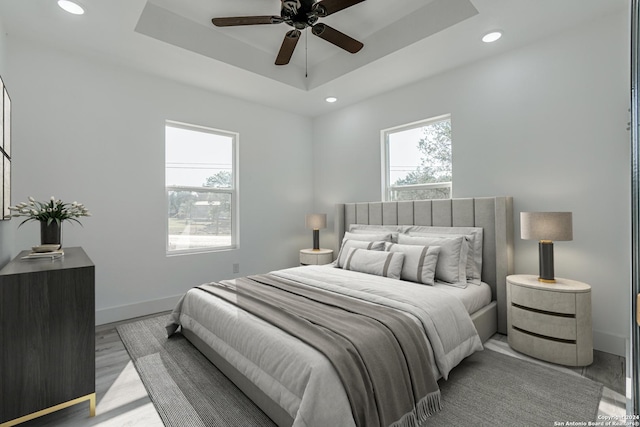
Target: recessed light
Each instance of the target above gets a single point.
(71, 7)
(331, 99)
(492, 36)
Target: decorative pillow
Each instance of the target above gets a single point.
(452, 259)
(419, 262)
(386, 264)
(474, 237)
(358, 244)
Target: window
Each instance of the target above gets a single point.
(417, 160)
(201, 188)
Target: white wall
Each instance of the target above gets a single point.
(6, 230)
(545, 124)
(94, 132)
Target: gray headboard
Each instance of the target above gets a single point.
(493, 214)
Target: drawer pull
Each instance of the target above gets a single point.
(537, 310)
(544, 336)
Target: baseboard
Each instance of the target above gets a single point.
(609, 343)
(129, 311)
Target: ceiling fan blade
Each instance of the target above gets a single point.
(246, 20)
(327, 7)
(336, 37)
(288, 46)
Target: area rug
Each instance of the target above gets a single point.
(486, 389)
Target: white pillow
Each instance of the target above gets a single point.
(368, 237)
(419, 262)
(452, 259)
(386, 264)
(377, 229)
(474, 237)
(358, 244)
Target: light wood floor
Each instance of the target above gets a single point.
(123, 401)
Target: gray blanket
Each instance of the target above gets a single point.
(377, 351)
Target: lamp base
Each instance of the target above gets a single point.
(316, 240)
(545, 254)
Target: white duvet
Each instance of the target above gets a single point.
(296, 376)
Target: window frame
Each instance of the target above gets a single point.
(387, 188)
(233, 191)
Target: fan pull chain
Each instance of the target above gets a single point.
(306, 54)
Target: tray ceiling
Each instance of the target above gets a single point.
(405, 41)
(383, 26)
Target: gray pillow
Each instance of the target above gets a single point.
(358, 244)
(452, 259)
(386, 264)
(419, 262)
(473, 235)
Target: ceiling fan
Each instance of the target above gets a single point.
(301, 14)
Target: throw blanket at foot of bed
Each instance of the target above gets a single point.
(378, 352)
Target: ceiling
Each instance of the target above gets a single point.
(404, 41)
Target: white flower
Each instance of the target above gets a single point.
(53, 199)
(31, 199)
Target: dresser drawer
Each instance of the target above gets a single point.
(544, 324)
(544, 349)
(550, 301)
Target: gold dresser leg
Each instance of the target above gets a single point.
(92, 410)
(92, 405)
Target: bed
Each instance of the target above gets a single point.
(292, 382)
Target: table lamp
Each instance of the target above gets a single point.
(546, 227)
(316, 222)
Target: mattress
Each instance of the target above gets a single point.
(473, 297)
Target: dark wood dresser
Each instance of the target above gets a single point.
(47, 335)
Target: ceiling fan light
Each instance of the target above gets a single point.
(492, 36)
(71, 7)
(331, 99)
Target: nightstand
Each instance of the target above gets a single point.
(316, 256)
(550, 321)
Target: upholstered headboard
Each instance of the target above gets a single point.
(493, 214)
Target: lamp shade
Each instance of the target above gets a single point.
(554, 226)
(316, 221)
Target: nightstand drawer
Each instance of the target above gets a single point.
(545, 349)
(316, 256)
(308, 259)
(544, 324)
(556, 302)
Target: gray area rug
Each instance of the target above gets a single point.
(486, 389)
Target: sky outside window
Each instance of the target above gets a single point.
(193, 156)
(404, 156)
